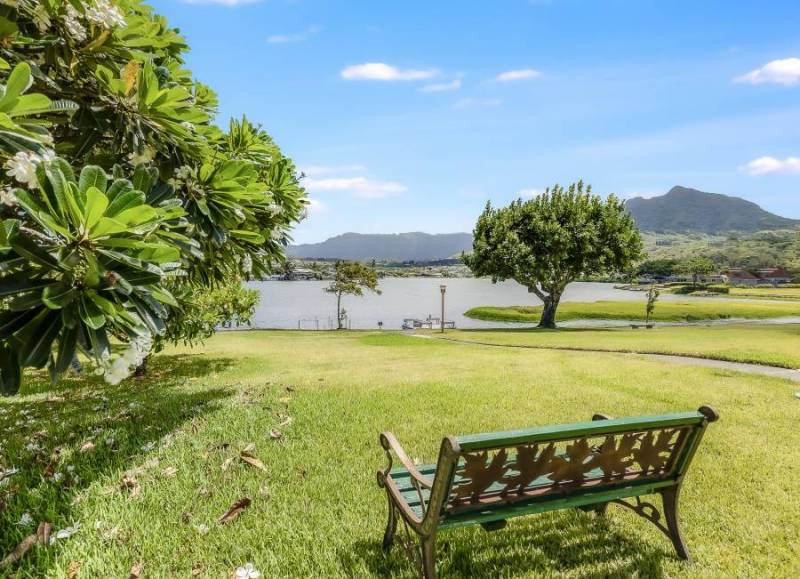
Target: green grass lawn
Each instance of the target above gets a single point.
(666, 311)
(776, 345)
(787, 293)
(316, 510)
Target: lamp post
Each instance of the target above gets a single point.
(443, 289)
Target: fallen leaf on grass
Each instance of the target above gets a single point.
(234, 511)
(198, 570)
(250, 447)
(136, 571)
(169, 472)
(275, 434)
(87, 447)
(252, 460)
(130, 484)
(72, 570)
(286, 422)
(40, 537)
(227, 463)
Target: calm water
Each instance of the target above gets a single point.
(285, 303)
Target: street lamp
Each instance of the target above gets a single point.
(443, 289)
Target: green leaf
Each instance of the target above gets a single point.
(19, 81)
(25, 246)
(10, 371)
(91, 314)
(96, 205)
(18, 283)
(66, 349)
(92, 176)
(33, 342)
(57, 296)
(248, 236)
(11, 322)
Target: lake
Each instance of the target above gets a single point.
(284, 304)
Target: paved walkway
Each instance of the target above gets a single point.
(764, 370)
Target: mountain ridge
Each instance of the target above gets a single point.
(687, 210)
(680, 210)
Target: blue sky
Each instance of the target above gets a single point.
(408, 116)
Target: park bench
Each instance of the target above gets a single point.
(485, 479)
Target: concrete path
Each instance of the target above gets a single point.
(764, 370)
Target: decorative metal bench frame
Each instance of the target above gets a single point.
(488, 478)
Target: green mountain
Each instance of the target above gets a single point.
(684, 210)
(413, 246)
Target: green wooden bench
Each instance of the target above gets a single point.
(485, 479)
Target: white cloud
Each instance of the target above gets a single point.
(316, 207)
(384, 72)
(512, 75)
(296, 37)
(442, 86)
(469, 103)
(768, 165)
(360, 186)
(785, 72)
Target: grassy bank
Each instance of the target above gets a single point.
(666, 311)
(786, 293)
(777, 345)
(316, 510)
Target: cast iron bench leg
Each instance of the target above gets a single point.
(428, 545)
(670, 501)
(391, 526)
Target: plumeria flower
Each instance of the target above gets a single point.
(8, 199)
(58, 476)
(26, 520)
(104, 14)
(22, 167)
(148, 447)
(247, 572)
(203, 529)
(73, 25)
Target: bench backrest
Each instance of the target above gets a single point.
(566, 460)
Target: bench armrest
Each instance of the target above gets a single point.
(391, 445)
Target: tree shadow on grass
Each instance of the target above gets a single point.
(575, 543)
(56, 440)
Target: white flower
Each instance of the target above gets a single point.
(22, 167)
(247, 263)
(183, 173)
(32, 447)
(104, 14)
(57, 476)
(187, 125)
(26, 520)
(72, 22)
(145, 156)
(203, 529)
(148, 447)
(276, 235)
(247, 572)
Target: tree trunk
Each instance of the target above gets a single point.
(141, 369)
(339, 311)
(548, 319)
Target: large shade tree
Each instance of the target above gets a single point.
(548, 241)
(121, 201)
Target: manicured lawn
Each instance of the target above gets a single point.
(777, 345)
(316, 510)
(666, 310)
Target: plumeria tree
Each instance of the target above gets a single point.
(121, 199)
